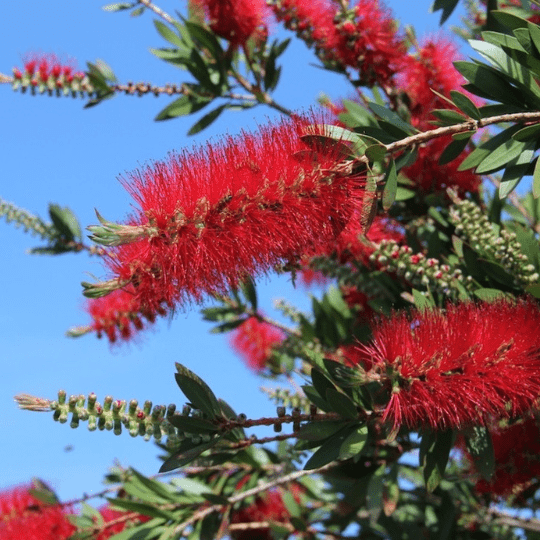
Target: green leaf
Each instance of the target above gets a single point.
(528, 133)
(207, 40)
(186, 453)
(392, 118)
(374, 495)
(516, 170)
(353, 445)
(141, 508)
(480, 447)
(485, 150)
(330, 450)
(453, 150)
(536, 180)
(315, 398)
(183, 106)
(421, 301)
(321, 382)
(65, 222)
(529, 243)
(197, 391)
(206, 120)
(376, 152)
(490, 295)
(465, 104)
(118, 6)
(167, 34)
(503, 40)
(446, 6)
(250, 292)
(508, 19)
(390, 186)
(227, 326)
(158, 488)
(341, 403)
(448, 117)
(191, 424)
(488, 83)
(356, 115)
(318, 431)
(403, 194)
(434, 453)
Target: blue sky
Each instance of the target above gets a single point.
(55, 151)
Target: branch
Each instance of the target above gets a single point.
(245, 494)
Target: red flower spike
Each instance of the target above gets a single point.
(24, 516)
(235, 20)
(468, 365)
(47, 68)
(253, 340)
(233, 210)
(517, 458)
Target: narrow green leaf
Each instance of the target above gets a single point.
(318, 431)
(534, 32)
(448, 117)
(356, 115)
(434, 453)
(341, 403)
(167, 34)
(183, 106)
(421, 301)
(191, 424)
(375, 494)
(329, 451)
(465, 104)
(508, 19)
(480, 447)
(489, 295)
(446, 6)
(392, 118)
(118, 6)
(453, 150)
(353, 445)
(528, 133)
(186, 453)
(65, 222)
(227, 326)
(376, 152)
(141, 508)
(197, 391)
(315, 398)
(206, 120)
(536, 180)
(205, 39)
(390, 186)
(403, 194)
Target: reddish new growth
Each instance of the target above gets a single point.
(48, 69)
(268, 507)
(210, 218)
(467, 365)
(235, 20)
(254, 340)
(22, 516)
(116, 521)
(517, 459)
(364, 38)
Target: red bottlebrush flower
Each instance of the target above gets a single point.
(211, 218)
(367, 41)
(517, 458)
(430, 69)
(118, 315)
(24, 516)
(254, 340)
(110, 515)
(429, 176)
(268, 507)
(468, 365)
(235, 20)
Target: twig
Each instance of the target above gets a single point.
(245, 494)
(158, 11)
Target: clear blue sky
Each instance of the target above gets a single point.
(55, 151)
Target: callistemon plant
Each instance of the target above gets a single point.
(405, 403)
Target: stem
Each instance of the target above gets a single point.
(158, 11)
(250, 492)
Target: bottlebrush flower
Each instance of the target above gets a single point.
(467, 365)
(429, 176)
(517, 458)
(254, 339)
(24, 516)
(110, 515)
(235, 20)
(364, 39)
(210, 218)
(430, 69)
(268, 507)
